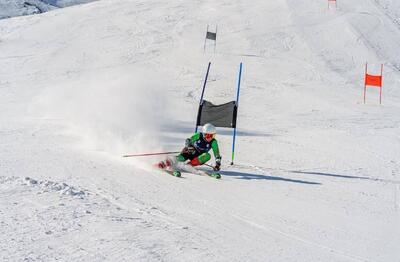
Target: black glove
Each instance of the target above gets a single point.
(217, 164)
(188, 142)
(189, 150)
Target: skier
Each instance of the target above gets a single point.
(196, 149)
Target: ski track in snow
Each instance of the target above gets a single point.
(63, 218)
(298, 238)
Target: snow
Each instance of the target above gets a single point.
(11, 8)
(316, 174)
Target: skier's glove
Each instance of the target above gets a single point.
(217, 164)
(187, 142)
(190, 150)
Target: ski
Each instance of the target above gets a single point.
(168, 169)
(174, 173)
(214, 175)
(195, 171)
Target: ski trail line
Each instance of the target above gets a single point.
(295, 237)
(397, 198)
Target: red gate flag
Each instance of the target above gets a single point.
(373, 80)
(332, 1)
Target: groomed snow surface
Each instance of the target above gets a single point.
(316, 174)
(11, 8)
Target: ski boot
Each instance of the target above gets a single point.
(161, 165)
(167, 164)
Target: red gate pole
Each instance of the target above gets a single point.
(380, 93)
(365, 82)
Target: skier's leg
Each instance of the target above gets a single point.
(181, 158)
(203, 158)
(171, 161)
(175, 160)
(185, 155)
(200, 160)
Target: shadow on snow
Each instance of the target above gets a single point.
(330, 174)
(248, 176)
(346, 176)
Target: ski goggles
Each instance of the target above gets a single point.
(209, 136)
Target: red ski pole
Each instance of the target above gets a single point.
(151, 154)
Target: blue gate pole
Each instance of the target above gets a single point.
(237, 105)
(202, 93)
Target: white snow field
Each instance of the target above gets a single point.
(11, 8)
(316, 174)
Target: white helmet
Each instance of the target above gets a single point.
(209, 129)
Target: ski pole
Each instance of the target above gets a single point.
(151, 154)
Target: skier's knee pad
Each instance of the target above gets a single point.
(195, 162)
(204, 158)
(180, 158)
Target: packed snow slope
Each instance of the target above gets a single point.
(11, 8)
(316, 174)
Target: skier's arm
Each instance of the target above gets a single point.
(189, 143)
(215, 148)
(192, 139)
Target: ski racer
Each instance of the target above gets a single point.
(196, 149)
